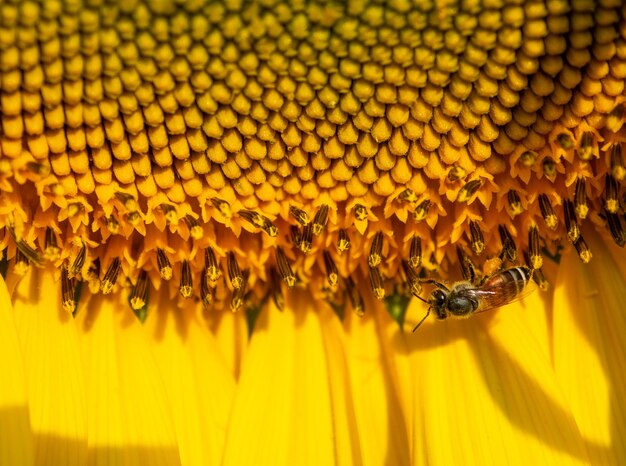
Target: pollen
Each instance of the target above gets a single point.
(233, 152)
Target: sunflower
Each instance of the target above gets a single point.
(219, 222)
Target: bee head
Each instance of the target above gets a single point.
(438, 298)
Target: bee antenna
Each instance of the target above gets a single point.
(423, 319)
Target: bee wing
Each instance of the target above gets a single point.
(492, 296)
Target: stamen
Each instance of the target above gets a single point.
(355, 297)
(211, 266)
(207, 293)
(467, 191)
(376, 282)
(110, 276)
(456, 173)
(21, 263)
(170, 213)
(376, 250)
(93, 276)
(28, 251)
(585, 150)
(112, 225)
(79, 262)
(540, 279)
(300, 215)
(549, 167)
(240, 293)
(195, 230)
(547, 212)
(269, 227)
(164, 265)
(276, 290)
(508, 244)
(284, 268)
(535, 260)
(223, 206)
(611, 202)
(320, 220)
(583, 250)
(306, 239)
(571, 224)
(234, 273)
(331, 269)
(515, 203)
(67, 291)
(615, 227)
(139, 294)
(186, 280)
(467, 266)
(580, 198)
(343, 243)
(128, 200)
(415, 252)
(259, 221)
(133, 218)
(408, 195)
(360, 212)
(421, 211)
(412, 279)
(477, 241)
(565, 141)
(528, 158)
(617, 162)
(52, 251)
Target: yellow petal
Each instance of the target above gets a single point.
(16, 439)
(589, 353)
(53, 370)
(129, 419)
(485, 393)
(231, 332)
(199, 383)
(282, 410)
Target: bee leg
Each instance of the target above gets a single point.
(430, 281)
(423, 319)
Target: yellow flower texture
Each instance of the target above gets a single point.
(217, 217)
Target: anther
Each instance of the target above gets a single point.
(535, 261)
(477, 241)
(549, 167)
(456, 173)
(408, 195)
(51, 251)
(234, 273)
(239, 294)
(611, 202)
(320, 220)
(133, 218)
(468, 269)
(585, 149)
(186, 280)
(617, 162)
(79, 261)
(223, 207)
(547, 212)
(300, 215)
(269, 227)
(508, 244)
(421, 211)
(331, 270)
(412, 279)
(615, 227)
(376, 283)
(515, 203)
(211, 266)
(580, 198)
(583, 250)
(164, 265)
(540, 279)
(275, 289)
(571, 224)
(110, 276)
(195, 230)
(565, 141)
(67, 291)
(21, 263)
(284, 268)
(259, 221)
(468, 190)
(26, 249)
(376, 250)
(355, 297)
(360, 212)
(528, 158)
(130, 203)
(415, 252)
(139, 294)
(306, 239)
(343, 242)
(112, 225)
(170, 213)
(207, 293)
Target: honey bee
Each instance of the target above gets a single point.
(467, 298)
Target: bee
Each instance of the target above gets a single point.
(467, 298)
